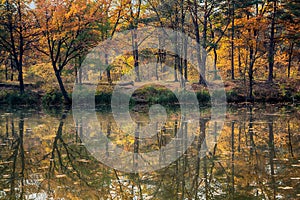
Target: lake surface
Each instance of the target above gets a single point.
(256, 155)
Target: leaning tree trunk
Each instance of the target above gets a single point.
(198, 46)
(62, 87)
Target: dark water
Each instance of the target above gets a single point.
(255, 156)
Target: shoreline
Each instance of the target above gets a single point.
(274, 93)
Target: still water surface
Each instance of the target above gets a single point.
(255, 156)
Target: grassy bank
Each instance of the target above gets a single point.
(235, 92)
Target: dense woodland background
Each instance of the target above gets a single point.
(252, 43)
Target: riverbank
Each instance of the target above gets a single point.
(236, 92)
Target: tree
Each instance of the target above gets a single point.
(16, 33)
(67, 30)
(289, 19)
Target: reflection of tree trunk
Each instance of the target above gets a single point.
(251, 132)
(18, 149)
(22, 155)
(185, 158)
(6, 126)
(201, 139)
(13, 134)
(290, 140)
(136, 146)
(272, 155)
(232, 160)
(108, 132)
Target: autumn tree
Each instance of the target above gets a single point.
(16, 33)
(289, 20)
(66, 30)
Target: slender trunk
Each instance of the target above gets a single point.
(183, 46)
(21, 50)
(239, 61)
(232, 41)
(136, 147)
(250, 73)
(22, 153)
(12, 69)
(290, 140)
(290, 59)
(20, 78)
(232, 159)
(202, 78)
(198, 45)
(272, 156)
(109, 80)
(76, 74)
(251, 131)
(272, 44)
(177, 58)
(6, 72)
(135, 53)
(215, 53)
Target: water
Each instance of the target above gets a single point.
(255, 156)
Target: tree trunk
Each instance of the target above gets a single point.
(232, 41)
(250, 73)
(232, 159)
(272, 156)
(135, 53)
(6, 72)
(290, 59)
(12, 73)
(198, 46)
(20, 78)
(272, 44)
(19, 59)
(107, 70)
(202, 78)
(62, 87)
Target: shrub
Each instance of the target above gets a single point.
(203, 97)
(103, 98)
(52, 97)
(297, 97)
(232, 96)
(15, 98)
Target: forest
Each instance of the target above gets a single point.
(240, 60)
(253, 47)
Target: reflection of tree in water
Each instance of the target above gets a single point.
(255, 156)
